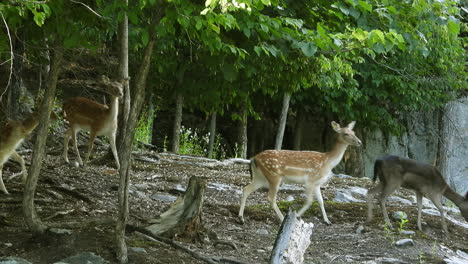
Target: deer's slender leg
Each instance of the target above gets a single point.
(370, 197)
(92, 136)
(114, 150)
(272, 199)
(75, 142)
(436, 199)
(419, 197)
(318, 194)
(16, 157)
(389, 189)
(2, 185)
(66, 139)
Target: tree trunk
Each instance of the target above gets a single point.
(125, 154)
(124, 75)
(282, 122)
(298, 130)
(242, 138)
(177, 122)
(183, 219)
(212, 135)
(30, 216)
(122, 253)
(292, 241)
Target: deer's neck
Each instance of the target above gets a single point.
(453, 196)
(30, 124)
(337, 152)
(114, 108)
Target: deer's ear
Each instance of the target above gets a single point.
(351, 125)
(335, 126)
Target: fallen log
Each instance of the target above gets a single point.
(292, 241)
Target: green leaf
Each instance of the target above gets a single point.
(145, 37)
(453, 27)
(307, 48)
(365, 6)
(266, 2)
(258, 50)
(246, 32)
(205, 11)
(230, 72)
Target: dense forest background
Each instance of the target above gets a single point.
(221, 78)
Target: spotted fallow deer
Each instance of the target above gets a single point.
(12, 135)
(84, 114)
(313, 169)
(424, 179)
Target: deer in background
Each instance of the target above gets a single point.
(12, 135)
(313, 169)
(424, 179)
(84, 114)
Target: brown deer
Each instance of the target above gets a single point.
(424, 179)
(313, 169)
(84, 114)
(12, 135)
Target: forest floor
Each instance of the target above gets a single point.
(88, 209)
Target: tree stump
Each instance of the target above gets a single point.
(183, 218)
(292, 241)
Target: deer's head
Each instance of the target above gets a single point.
(346, 134)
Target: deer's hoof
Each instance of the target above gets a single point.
(241, 220)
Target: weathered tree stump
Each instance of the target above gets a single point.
(292, 241)
(183, 218)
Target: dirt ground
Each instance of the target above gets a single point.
(88, 212)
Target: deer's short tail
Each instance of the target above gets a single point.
(377, 169)
(252, 168)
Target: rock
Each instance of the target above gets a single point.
(8, 244)
(163, 198)
(290, 198)
(399, 215)
(13, 260)
(407, 232)
(60, 231)
(138, 250)
(291, 187)
(396, 199)
(344, 196)
(141, 186)
(384, 260)
(83, 258)
(359, 191)
(342, 176)
(360, 229)
(453, 163)
(262, 231)
(138, 194)
(405, 242)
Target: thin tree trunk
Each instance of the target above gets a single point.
(122, 253)
(212, 135)
(124, 75)
(125, 154)
(177, 123)
(282, 122)
(30, 216)
(298, 130)
(242, 140)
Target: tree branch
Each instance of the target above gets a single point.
(88, 7)
(11, 55)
